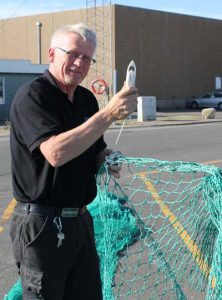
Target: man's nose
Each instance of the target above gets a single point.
(78, 61)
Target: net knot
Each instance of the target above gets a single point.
(113, 158)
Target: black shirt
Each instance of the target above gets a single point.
(39, 110)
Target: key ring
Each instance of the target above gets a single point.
(58, 225)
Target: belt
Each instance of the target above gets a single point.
(66, 212)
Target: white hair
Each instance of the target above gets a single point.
(81, 29)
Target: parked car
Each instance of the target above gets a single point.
(212, 99)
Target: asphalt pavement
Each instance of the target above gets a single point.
(166, 118)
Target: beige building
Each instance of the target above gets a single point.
(177, 56)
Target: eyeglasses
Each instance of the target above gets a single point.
(74, 55)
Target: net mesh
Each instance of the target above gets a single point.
(158, 230)
(175, 245)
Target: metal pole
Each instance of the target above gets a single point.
(111, 48)
(114, 82)
(39, 40)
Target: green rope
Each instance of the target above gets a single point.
(158, 230)
(177, 206)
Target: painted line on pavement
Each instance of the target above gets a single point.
(181, 231)
(212, 162)
(7, 213)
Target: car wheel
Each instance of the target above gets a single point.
(220, 106)
(194, 105)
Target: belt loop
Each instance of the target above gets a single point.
(28, 208)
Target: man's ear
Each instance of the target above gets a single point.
(51, 54)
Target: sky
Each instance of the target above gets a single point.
(202, 8)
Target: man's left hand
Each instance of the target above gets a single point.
(114, 169)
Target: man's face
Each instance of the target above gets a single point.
(68, 70)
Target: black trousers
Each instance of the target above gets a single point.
(68, 272)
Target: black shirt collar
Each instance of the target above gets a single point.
(53, 82)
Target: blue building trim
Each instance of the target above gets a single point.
(14, 73)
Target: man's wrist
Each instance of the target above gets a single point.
(109, 115)
(103, 118)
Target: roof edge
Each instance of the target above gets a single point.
(21, 66)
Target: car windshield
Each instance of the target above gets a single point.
(218, 95)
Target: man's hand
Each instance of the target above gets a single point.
(114, 170)
(123, 103)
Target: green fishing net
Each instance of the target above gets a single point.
(157, 230)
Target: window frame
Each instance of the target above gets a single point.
(2, 99)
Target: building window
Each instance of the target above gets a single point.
(2, 94)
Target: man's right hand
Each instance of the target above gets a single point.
(123, 103)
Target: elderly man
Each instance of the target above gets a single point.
(57, 146)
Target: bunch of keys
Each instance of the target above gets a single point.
(60, 235)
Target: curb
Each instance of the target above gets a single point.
(166, 123)
(157, 123)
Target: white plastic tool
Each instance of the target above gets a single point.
(131, 74)
(130, 81)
